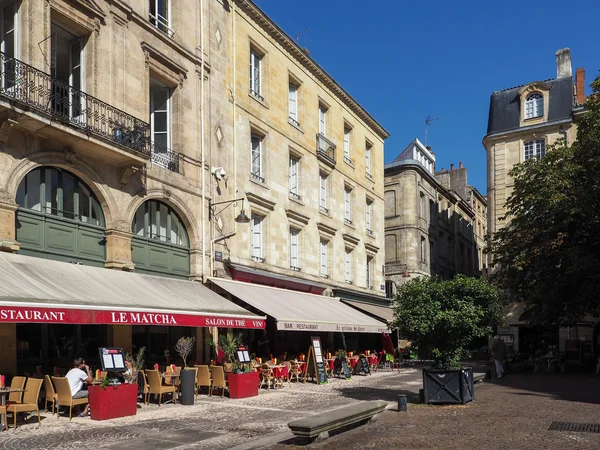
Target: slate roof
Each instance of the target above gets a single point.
(505, 106)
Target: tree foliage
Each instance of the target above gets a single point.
(548, 253)
(444, 317)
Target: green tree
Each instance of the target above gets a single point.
(443, 317)
(548, 254)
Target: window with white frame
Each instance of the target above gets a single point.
(256, 169)
(323, 193)
(160, 15)
(348, 266)
(347, 206)
(534, 106)
(160, 121)
(293, 104)
(294, 177)
(9, 44)
(322, 120)
(368, 210)
(257, 238)
(535, 149)
(423, 250)
(324, 270)
(294, 249)
(347, 131)
(368, 159)
(256, 74)
(369, 272)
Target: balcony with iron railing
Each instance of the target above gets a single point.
(325, 150)
(32, 89)
(165, 157)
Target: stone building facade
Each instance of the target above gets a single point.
(523, 122)
(430, 219)
(101, 125)
(303, 158)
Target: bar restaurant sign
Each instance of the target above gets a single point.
(19, 314)
(343, 328)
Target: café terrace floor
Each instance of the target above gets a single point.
(213, 422)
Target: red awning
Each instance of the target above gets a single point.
(48, 314)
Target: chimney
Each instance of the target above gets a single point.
(563, 63)
(451, 167)
(460, 165)
(580, 86)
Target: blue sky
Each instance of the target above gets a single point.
(404, 61)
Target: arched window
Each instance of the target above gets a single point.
(56, 192)
(155, 220)
(160, 243)
(59, 218)
(534, 106)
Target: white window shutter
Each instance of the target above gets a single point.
(294, 248)
(323, 190)
(257, 236)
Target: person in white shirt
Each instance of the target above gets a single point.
(79, 374)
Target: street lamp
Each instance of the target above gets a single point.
(240, 218)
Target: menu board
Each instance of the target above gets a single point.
(364, 365)
(112, 359)
(315, 362)
(242, 355)
(346, 370)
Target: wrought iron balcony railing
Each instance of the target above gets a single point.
(39, 91)
(165, 157)
(325, 149)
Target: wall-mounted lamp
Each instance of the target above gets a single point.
(240, 218)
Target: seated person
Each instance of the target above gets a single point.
(79, 374)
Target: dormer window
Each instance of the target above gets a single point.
(534, 106)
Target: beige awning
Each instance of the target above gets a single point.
(298, 311)
(384, 313)
(44, 291)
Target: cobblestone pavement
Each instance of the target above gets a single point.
(512, 413)
(213, 422)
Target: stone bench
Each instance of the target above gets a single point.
(318, 426)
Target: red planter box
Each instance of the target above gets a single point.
(113, 401)
(242, 385)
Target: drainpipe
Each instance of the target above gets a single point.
(565, 133)
(234, 94)
(202, 162)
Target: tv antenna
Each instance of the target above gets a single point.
(427, 123)
(299, 35)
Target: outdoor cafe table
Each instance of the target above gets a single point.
(372, 360)
(174, 379)
(3, 393)
(331, 362)
(280, 371)
(353, 360)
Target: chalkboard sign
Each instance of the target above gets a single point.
(346, 370)
(315, 365)
(112, 359)
(364, 364)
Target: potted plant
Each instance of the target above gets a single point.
(187, 380)
(442, 318)
(242, 380)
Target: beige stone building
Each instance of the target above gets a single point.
(523, 122)
(304, 158)
(102, 118)
(431, 219)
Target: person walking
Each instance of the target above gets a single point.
(498, 349)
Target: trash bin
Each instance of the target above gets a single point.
(187, 382)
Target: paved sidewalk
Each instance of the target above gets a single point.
(512, 413)
(213, 422)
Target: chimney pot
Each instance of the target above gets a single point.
(451, 167)
(460, 165)
(563, 63)
(580, 86)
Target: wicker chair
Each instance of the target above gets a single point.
(30, 400)
(156, 386)
(288, 365)
(218, 379)
(203, 379)
(51, 396)
(145, 387)
(266, 376)
(295, 371)
(64, 396)
(16, 383)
